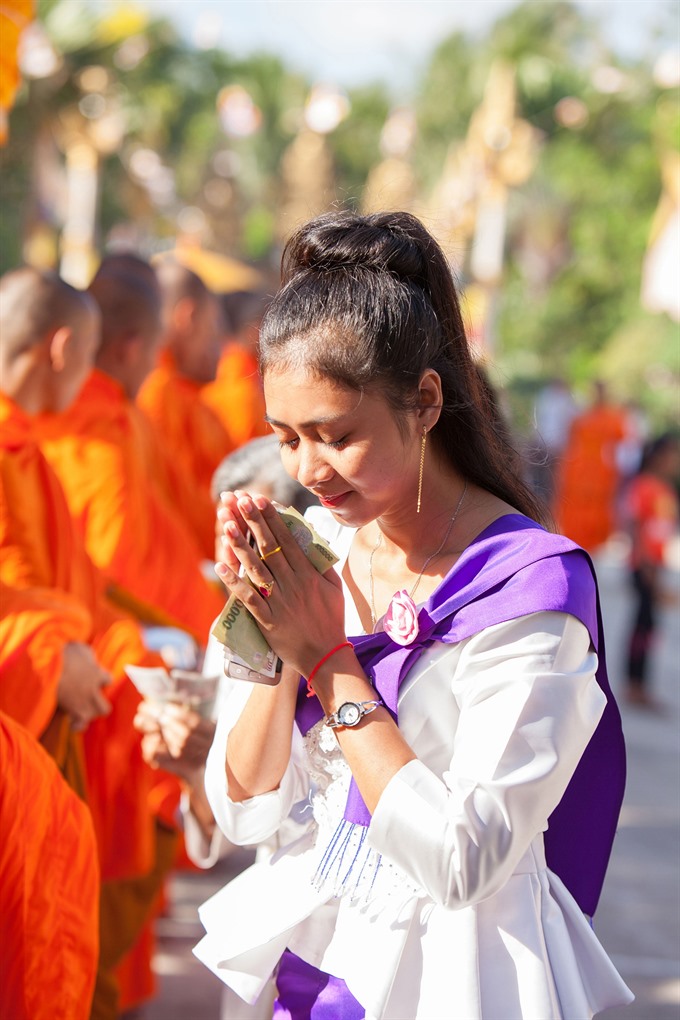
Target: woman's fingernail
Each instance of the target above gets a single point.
(231, 529)
(260, 502)
(245, 503)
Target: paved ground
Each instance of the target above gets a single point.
(638, 920)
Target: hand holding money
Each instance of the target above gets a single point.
(237, 627)
(160, 687)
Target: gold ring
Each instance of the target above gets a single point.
(265, 589)
(271, 552)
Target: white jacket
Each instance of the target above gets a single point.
(462, 919)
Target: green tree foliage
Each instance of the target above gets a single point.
(452, 86)
(355, 143)
(577, 230)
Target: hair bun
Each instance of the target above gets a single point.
(393, 242)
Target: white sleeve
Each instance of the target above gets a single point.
(251, 821)
(529, 704)
(201, 851)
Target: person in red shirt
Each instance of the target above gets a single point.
(652, 513)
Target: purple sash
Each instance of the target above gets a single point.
(513, 568)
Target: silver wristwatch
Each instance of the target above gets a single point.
(351, 713)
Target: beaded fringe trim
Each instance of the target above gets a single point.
(348, 864)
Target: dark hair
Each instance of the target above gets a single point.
(369, 301)
(657, 447)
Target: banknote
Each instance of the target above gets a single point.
(315, 548)
(237, 628)
(182, 686)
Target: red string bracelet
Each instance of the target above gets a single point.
(310, 690)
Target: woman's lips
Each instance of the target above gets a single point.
(332, 502)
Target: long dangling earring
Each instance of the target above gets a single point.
(423, 442)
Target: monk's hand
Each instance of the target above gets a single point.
(299, 611)
(154, 750)
(146, 717)
(79, 692)
(188, 737)
(176, 738)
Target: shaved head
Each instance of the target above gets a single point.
(192, 321)
(129, 264)
(33, 304)
(177, 282)
(49, 334)
(129, 306)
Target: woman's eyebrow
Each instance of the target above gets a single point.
(325, 420)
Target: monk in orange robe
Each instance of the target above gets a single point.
(170, 475)
(131, 531)
(48, 340)
(191, 433)
(236, 395)
(50, 680)
(589, 476)
(45, 631)
(49, 886)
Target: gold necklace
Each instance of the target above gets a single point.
(425, 564)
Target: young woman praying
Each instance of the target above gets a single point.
(443, 721)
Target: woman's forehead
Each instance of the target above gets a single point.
(307, 398)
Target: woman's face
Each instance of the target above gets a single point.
(345, 447)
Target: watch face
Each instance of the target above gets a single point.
(349, 714)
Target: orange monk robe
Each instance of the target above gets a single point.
(49, 887)
(35, 624)
(589, 477)
(194, 506)
(132, 534)
(40, 547)
(236, 395)
(15, 16)
(191, 433)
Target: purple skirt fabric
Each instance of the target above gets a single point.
(305, 993)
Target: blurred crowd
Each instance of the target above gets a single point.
(118, 405)
(126, 409)
(608, 477)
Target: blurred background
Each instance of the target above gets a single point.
(538, 141)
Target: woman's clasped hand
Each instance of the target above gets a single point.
(302, 615)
